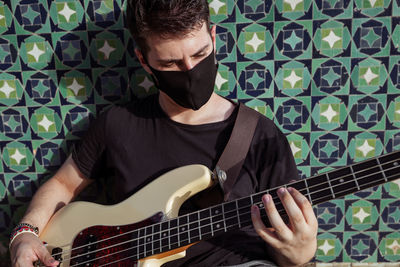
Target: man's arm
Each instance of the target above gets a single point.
(58, 191)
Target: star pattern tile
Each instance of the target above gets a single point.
(326, 72)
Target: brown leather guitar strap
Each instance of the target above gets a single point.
(231, 161)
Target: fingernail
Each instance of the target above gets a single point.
(290, 189)
(267, 198)
(281, 191)
(254, 209)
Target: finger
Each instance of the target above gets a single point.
(45, 257)
(267, 234)
(280, 228)
(305, 207)
(296, 216)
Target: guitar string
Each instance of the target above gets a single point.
(103, 240)
(143, 237)
(162, 247)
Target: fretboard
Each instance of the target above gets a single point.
(228, 216)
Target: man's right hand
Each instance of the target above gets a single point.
(26, 249)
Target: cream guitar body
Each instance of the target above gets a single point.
(166, 194)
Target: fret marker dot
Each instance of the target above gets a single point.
(118, 228)
(395, 163)
(261, 205)
(164, 234)
(341, 180)
(216, 211)
(149, 239)
(218, 225)
(183, 229)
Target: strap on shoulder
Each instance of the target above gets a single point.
(231, 161)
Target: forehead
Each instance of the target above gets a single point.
(178, 46)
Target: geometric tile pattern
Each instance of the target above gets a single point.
(326, 71)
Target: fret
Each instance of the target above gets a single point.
(342, 181)
(237, 214)
(330, 186)
(390, 158)
(230, 215)
(370, 180)
(391, 163)
(198, 215)
(223, 217)
(308, 192)
(205, 224)
(380, 167)
(355, 178)
(394, 172)
(368, 174)
(188, 232)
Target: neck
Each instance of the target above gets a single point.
(215, 110)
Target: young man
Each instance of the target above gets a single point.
(185, 123)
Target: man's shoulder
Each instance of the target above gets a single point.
(267, 127)
(140, 107)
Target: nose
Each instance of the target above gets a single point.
(187, 64)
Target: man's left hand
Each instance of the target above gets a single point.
(293, 244)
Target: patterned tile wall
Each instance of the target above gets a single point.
(326, 71)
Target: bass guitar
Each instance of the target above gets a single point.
(145, 229)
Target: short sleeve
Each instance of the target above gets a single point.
(88, 154)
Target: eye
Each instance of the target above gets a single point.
(168, 64)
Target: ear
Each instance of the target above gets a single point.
(142, 61)
(213, 33)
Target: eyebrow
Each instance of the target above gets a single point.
(202, 49)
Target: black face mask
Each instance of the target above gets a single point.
(192, 88)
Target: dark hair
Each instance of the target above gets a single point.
(166, 18)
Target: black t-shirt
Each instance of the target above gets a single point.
(136, 143)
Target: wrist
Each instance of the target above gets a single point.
(23, 228)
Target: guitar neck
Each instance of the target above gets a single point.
(233, 215)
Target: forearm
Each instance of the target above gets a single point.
(50, 197)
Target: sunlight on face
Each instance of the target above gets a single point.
(180, 54)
